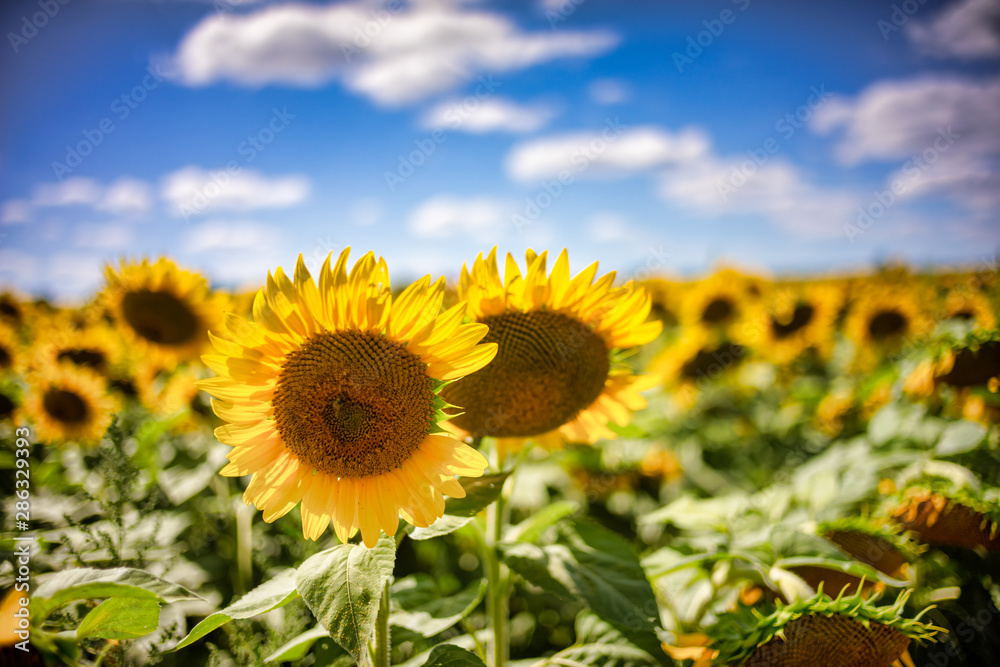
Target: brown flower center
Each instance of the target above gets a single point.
(548, 368)
(160, 317)
(6, 406)
(353, 403)
(801, 317)
(65, 406)
(886, 324)
(86, 358)
(718, 311)
(708, 363)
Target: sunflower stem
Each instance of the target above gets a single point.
(244, 545)
(497, 575)
(382, 643)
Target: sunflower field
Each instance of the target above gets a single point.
(526, 467)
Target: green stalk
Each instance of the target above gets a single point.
(498, 577)
(382, 643)
(244, 546)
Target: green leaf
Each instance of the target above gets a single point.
(384, 553)
(272, 594)
(448, 655)
(531, 529)
(537, 565)
(298, 647)
(342, 587)
(88, 583)
(960, 437)
(599, 568)
(120, 618)
(424, 611)
(479, 492)
(446, 524)
(598, 644)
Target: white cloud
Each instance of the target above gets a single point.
(606, 227)
(112, 235)
(968, 29)
(194, 191)
(215, 235)
(366, 212)
(609, 153)
(123, 196)
(942, 130)
(488, 115)
(15, 212)
(775, 190)
(17, 264)
(445, 215)
(126, 196)
(75, 191)
(608, 91)
(393, 58)
(74, 274)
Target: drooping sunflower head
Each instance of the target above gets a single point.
(68, 404)
(554, 376)
(331, 398)
(161, 307)
(938, 512)
(849, 631)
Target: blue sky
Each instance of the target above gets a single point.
(667, 136)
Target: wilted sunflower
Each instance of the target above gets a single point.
(162, 308)
(940, 519)
(849, 631)
(554, 377)
(331, 395)
(793, 318)
(68, 404)
(885, 318)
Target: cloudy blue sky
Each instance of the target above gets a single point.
(233, 135)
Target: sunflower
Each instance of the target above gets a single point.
(165, 310)
(68, 404)
(883, 319)
(10, 402)
(719, 303)
(331, 398)
(938, 519)
(697, 358)
(554, 376)
(10, 351)
(12, 308)
(850, 631)
(963, 303)
(96, 347)
(791, 319)
(666, 296)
